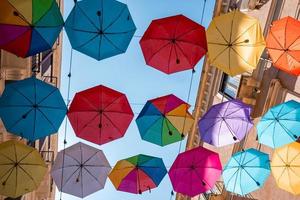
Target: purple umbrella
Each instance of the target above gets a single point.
(225, 123)
(81, 170)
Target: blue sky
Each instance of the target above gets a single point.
(129, 74)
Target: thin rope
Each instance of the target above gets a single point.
(189, 95)
(66, 121)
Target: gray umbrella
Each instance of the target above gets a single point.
(80, 170)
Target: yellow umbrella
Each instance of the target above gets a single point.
(235, 42)
(21, 169)
(285, 167)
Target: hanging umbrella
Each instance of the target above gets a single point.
(174, 44)
(164, 120)
(280, 125)
(285, 167)
(100, 114)
(138, 174)
(80, 170)
(22, 169)
(225, 123)
(283, 44)
(32, 109)
(195, 171)
(28, 27)
(100, 28)
(235, 42)
(246, 171)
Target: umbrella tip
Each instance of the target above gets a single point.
(140, 191)
(203, 183)
(170, 133)
(3, 183)
(172, 192)
(234, 138)
(98, 13)
(182, 135)
(295, 136)
(177, 61)
(65, 141)
(257, 183)
(16, 13)
(193, 71)
(246, 41)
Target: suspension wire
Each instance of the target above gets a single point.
(189, 95)
(66, 122)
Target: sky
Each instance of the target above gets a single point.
(129, 74)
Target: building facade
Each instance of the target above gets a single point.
(47, 67)
(262, 89)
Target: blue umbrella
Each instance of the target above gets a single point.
(246, 171)
(32, 108)
(280, 125)
(100, 28)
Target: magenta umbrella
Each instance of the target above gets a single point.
(195, 171)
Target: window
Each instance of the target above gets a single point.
(46, 63)
(230, 85)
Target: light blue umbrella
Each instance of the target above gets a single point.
(32, 109)
(280, 125)
(246, 171)
(100, 28)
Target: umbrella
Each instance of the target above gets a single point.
(32, 109)
(138, 174)
(285, 167)
(28, 27)
(235, 42)
(280, 125)
(225, 123)
(283, 45)
(80, 170)
(100, 28)
(246, 171)
(100, 114)
(164, 120)
(173, 44)
(22, 169)
(195, 171)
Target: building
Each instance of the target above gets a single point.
(262, 89)
(46, 66)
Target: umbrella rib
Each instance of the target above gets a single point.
(100, 43)
(169, 59)
(20, 14)
(81, 30)
(90, 121)
(189, 31)
(212, 124)
(287, 130)
(88, 41)
(183, 53)
(217, 28)
(115, 46)
(55, 129)
(92, 175)
(215, 58)
(245, 31)
(112, 122)
(154, 54)
(113, 22)
(281, 174)
(26, 156)
(194, 44)
(152, 124)
(45, 13)
(240, 56)
(50, 93)
(72, 158)
(22, 95)
(10, 170)
(41, 36)
(7, 157)
(69, 178)
(36, 185)
(119, 33)
(113, 102)
(87, 17)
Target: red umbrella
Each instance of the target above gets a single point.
(174, 44)
(100, 114)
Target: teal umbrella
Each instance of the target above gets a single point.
(246, 171)
(280, 125)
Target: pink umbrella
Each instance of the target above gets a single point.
(195, 171)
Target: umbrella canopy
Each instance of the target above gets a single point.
(32, 109)
(285, 167)
(246, 171)
(280, 125)
(195, 171)
(22, 169)
(225, 123)
(173, 44)
(100, 114)
(283, 45)
(138, 174)
(29, 27)
(164, 120)
(100, 28)
(235, 42)
(80, 170)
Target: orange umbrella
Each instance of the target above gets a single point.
(283, 44)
